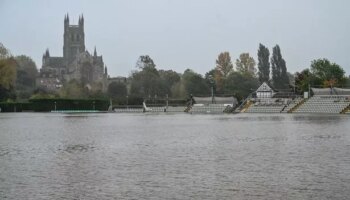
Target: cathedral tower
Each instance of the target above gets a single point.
(73, 39)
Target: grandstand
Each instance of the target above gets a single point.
(158, 109)
(210, 108)
(324, 104)
(128, 110)
(267, 100)
(272, 105)
(326, 100)
(292, 104)
(264, 100)
(212, 105)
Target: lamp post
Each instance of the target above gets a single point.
(294, 82)
(211, 81)
(309, 95)
(55, 106)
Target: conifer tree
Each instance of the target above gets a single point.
(279, 70)
(263, 64)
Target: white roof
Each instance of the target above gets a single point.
(264, 88)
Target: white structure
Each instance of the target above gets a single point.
(264, 91)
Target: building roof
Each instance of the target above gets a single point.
(264, 88)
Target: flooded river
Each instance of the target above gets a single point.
(174, 156)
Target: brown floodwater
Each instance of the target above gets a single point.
(174, 156)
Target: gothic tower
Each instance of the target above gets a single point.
(73, 39)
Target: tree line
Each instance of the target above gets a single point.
(227, 78)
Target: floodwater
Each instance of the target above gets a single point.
(174, 156)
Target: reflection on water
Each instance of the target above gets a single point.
(160, 156)
(267, 117)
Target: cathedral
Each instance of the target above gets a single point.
(77, 63)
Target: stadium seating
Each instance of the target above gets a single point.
(128, 110)
(324, 104)
(156, 109)
(210, 108)
(266, 105)
(265, 108)
(292, 104)
(176, 109)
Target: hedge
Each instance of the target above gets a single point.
(46, 105)
(14, 107)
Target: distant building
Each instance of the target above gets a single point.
(264, 91)
(77, 63)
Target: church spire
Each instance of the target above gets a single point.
(106, 72)
(66, 21)
(81, 20)
(47, 53)
(95, 52)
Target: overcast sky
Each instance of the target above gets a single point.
(180, 34)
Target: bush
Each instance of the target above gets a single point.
(14, 107)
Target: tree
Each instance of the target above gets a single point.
(147, 82)
(178, 90)
(42, 93)
(329, 74)
(224, 64)
(4, 52)
(95, 90)
(279, 70)
(169, 79)
(7, 78)
(7, 74)
(145, 62)
(26, 76)
(263, 64)
(240, 85)
(246, 64)
(74, 89)
(27, 67)
(215, 78)
(347, 82)
(195, 84)
(302, 80)
(117, 89)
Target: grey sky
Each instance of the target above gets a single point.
(180, 34)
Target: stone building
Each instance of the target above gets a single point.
(77, 63)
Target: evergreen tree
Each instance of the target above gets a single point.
(279, 70)
(263, 64)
